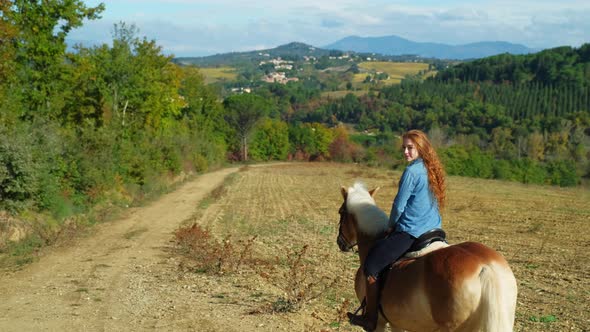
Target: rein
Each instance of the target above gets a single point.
(344, 240)
(341, 238)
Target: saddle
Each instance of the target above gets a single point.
(433, 235)
(430, 241)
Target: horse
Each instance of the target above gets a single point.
(463, 287)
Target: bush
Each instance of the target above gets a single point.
(343, 150)
(503, 170)
(467, 162)
(200, 163)
(301, 282)
(207, 255)
(562, 173)
(270, 141)
(18, 184)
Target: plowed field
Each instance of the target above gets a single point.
(288, 207)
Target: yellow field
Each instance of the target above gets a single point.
(342, 93)
(396, 70)
(213, 75)
(540, 230)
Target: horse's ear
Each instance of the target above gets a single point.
(373, 191)
(344, 192)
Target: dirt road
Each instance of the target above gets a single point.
(109, 281)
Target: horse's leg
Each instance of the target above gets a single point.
(360, 284)
(381, 324)
(395, 329)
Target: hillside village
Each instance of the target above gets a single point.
(281, 66)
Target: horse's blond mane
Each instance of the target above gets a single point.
(371, 219)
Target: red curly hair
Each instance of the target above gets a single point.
(436, 172)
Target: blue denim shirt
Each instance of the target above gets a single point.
(414, 209)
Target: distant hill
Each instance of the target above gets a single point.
(394, 45)
(291, 51)
(288, 51)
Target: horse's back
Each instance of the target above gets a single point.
(442, 288)
(457, 262)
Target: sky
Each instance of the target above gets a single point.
(206, 27)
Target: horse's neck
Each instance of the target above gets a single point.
(365, 243)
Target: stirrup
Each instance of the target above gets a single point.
(362, 321)
(361, 307)
(359, 320)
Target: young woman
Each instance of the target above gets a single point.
(415, 210)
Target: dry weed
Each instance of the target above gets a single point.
(205, 254)
(301, 282)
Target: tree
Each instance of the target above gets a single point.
(501, 143)
(137, 83)
(201, 102)
(40, 46)
(7, 34)
(310, 141)
(242, 112)
(536, 147)
(322, 137)
(9, 110)
(270, 141)
(159, 101)
(342, 149)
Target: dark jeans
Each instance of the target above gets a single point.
(386, 251)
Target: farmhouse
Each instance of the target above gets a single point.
(278, 77)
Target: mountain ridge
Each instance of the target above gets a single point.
(286, 51)
(395, 45)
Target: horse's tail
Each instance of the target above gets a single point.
(498, 298)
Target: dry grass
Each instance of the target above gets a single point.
(396, 70)
(342, 93)
(213, 75)
(204, 254)
(539, 229)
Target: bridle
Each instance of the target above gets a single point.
(342, 240)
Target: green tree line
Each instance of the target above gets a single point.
(519, 126)
(557, 66)
(78, 127)
(84, 126)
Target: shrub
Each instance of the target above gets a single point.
(301, 282)
(18, 183)
(343, 150)
(467, 162)
(200, 163)
(207, 255)
(270, 141)
(562, 173)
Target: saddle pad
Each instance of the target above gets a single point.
(430, 248)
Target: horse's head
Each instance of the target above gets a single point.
(348, 230)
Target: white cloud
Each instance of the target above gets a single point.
(206, 27)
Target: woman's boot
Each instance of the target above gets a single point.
(368, 320)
